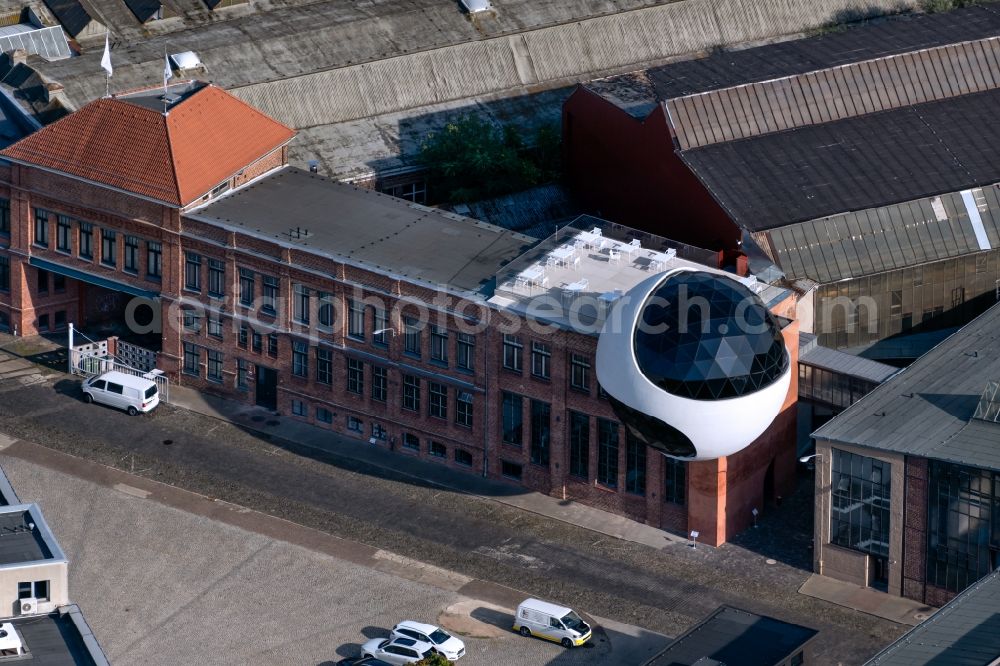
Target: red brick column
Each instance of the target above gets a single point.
(707, 500)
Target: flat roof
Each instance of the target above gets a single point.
(842, 363)
(928, 409)
(963, 632)
(734, 636)
(25, 537)
(295, 208)
(61, 638)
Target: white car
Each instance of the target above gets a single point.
(477, 6)
(451, 647)
(116, 389)
(396, 651)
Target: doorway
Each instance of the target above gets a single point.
(879, 574)
(267, 387)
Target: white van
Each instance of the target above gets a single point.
(116, 389)
(554, 623)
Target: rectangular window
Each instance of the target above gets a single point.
(512, 352)
(510, 470)
(466, 352)
(192, 320)
(411, 441)
(86, 240)
(300, 358)
(154, 259)
(270, 287)
(38, 589)
(109, 247)
(439, 344)
(379, 383)
(463, 457)
(541, 360)
(64, 231)
(355, 376)
(131, 254)
(607, 453)
(513, 418)
(214, 366)
(43, 322)
(541, 417)
(411, 393)
(4, 273)
(438, 400)
(859, 503)
(215, 325)
(324, 415)
(192, 359)
(256, 341)
(244, 336)
(579, 445)
(378, 432)
(41, 281)
(272, 345)
(58, 283)
(355, 424)
(192, 271)
(463, 408)
(324, 366)
(60, 320)
(675, 480)
(41, 227)
(411, 336)
(356, 319)
(299, 408)
(242, 374)
(635, 465)
(324, 311)
(4, 216)
(216, 278)
(246, 287)
(300, 304)
(438, 450)
(579, 372)
(381, 323)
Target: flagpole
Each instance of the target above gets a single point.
(106, 62)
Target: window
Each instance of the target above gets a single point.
(463, 457)
(300, 359)
(4, 273)
(896, 303)
(635, 465)
(512, 352)
(439, 344)
(411, 441)
(60, 320)
(579, 445)
(356, 319)
(411, 336)
(244, 335)
(43, 322)
(510, 470)
(513, 417)
(272, 345)
(64, 230)
(242, 373)
(378, 432)
(859, 503)
(299, 408)
(379, 383)
(300, 304)
(246, 287)
(463, 408)
(38, 589)
(607, 453)
(192, 271)
(541, 416)
(192, 320)
(270, 287)
(438, 450)
(675, 480)
(324, 415)
(579, 372)
(324, 310)
(131, 254)
(466, 352)
(355, 376)
(216, 278)
(541, 360)
(324, 366)
(58, 283)
(215, 325)
(42, 281)
(355, 424)
(86, 238)
(411, 393)
(381, 323)
(214, 366)
(41, 227)
(438, 394)
(154, 258)
(4, 216)
(256, 342)
(109, 247)
(192, 360)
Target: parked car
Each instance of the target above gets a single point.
(551, 622)
(362, 661)
(396, 651)
(451, 647)
(477, 6)
(127, 392)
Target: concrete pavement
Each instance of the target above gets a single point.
(866, 600)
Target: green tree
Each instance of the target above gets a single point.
(434, 659)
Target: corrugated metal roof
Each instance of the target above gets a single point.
(964, 632)
(927, 409)
(49, 43)
(846, 364)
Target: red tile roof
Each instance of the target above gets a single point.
(176, 158)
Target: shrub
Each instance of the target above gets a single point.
(434, 659)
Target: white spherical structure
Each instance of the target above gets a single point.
(694, 363)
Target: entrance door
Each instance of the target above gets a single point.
(267, 387)
(879, 573)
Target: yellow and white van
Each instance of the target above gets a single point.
(551, 622)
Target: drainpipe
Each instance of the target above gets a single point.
(486, 385)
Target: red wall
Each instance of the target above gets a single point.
(626, 170)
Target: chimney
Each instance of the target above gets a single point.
(19, 56)
(56, 92)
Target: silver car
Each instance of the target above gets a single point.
(397, 651)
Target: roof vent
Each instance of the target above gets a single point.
(10, 640)
(298, 233)
(989, 404)
(186, 60)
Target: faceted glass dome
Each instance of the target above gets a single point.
(706, 337)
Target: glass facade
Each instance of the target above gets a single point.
(831, 388)
(860, 503)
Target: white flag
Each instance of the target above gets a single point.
(168, 73)
(106, 60)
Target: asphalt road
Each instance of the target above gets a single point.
(665, 591)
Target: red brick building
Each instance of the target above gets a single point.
(386, 321)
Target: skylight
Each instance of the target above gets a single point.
(989, 403)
